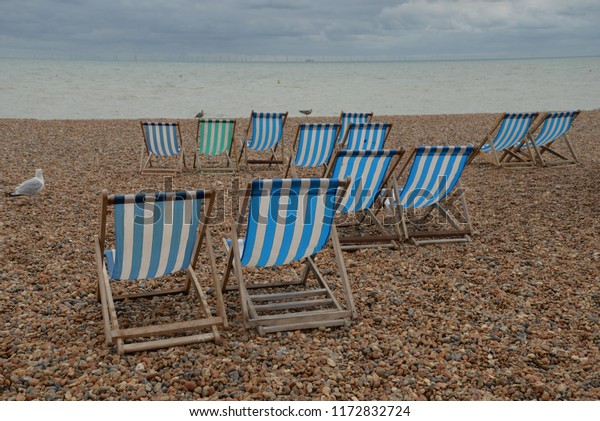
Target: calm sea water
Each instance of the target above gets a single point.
(47, 89)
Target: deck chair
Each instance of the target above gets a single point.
(365, 136)
(370, 174)
(313, 146)
(267, 134)
(555, 126)
(501, 149)
(347, 118)
(162, 142)
(431, 204)
(156, 235)
(289, 221)
(215, 137)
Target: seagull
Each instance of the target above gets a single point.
(29, 187)
(306, 112)
(200, 114)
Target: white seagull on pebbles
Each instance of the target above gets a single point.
(29, 187)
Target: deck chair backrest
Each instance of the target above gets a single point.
(162, 138)
(288, 219)
(513, 129)
(215, 136)
(347, 118)
(555, 125)
(267, 130)
(434, 172)
(366, 136)
(315, 143)
(368, 170)
(155, 234)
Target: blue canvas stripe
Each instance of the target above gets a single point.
(191, 225)
(138, 239)
(178, 212)
(254, 218)
(291, 220)
(268, 240)
(119, 228)
(158, 213)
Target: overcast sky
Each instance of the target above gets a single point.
(378, 29)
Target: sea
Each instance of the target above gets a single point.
(71, 89)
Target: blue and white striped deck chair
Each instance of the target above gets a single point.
(433, 183)
(510, 130)
(370, 174)
(555, 126)
(366, 136)
(347, 118)
(162, 141)
(157, 236)
(215, 137)
(313, 146)
(267, 135)
(289, 222)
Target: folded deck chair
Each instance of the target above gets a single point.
(555, 126)
(313, 146)
(370, 174)
(501, 149)
(365, 136)
(267, 134)
(347, 118)
(432, 206)
(156, 235)
(289, 221)
(215, 138)
(162, 142)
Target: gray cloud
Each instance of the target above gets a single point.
(336, 28)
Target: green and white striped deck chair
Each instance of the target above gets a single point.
(266, 136)
(500, 144)
(215, 139)
(347, 118)
(162, 143)
(289, 222)
(554, 128)
(150, 248)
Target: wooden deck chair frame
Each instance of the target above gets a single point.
(159, 335)
(507, 155)
(153, 149)
(313, 146)
(552, 132)
(216, 137)
(371, 210)
(346, 118)
(365, 136)
(303, 303)
(451, 208)
(279, 141)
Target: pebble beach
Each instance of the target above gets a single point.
(512, 315)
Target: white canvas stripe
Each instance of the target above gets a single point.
(317, 226)
(148, 235)
(185, 234)
(299, 226)
(280, 225)
(166, 239)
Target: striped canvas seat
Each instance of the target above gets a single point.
(266, 135)
(156, 235)
(313, 146)
(369, 172)
(289, 220)
(347, 118)
(161, 140)
(434, 175)
(510, 130)
(554, 127)
(366, 136)
(215, 137)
